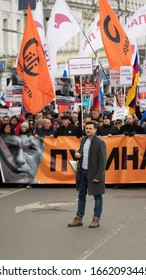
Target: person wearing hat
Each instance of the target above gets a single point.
(24, 129)
(67, 128)
(108, 128)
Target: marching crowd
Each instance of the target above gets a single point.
(69, 123)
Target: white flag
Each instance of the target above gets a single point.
(62, 25)
(92, 40)
(136, 26)
(38, 18)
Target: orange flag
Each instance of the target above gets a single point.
(32, 69)
(115, 41)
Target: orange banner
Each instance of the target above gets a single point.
(32, 69)
(54, 167)
(126, 160)
(116, 43)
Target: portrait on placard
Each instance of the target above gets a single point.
(65, 90)
(20, 158)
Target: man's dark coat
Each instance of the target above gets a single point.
(96, 165)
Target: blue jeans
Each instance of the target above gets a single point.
(82, 199)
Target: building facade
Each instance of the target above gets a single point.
(12, 24)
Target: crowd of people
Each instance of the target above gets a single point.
(69, 123)
(91, 156)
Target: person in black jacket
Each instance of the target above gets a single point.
(90, 175)
(67, 128)
(130, 128)
(108, 128)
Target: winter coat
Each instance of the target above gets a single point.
(45, 132)
(96, 165)
(70, 130)
(107, 129)
(130, 129)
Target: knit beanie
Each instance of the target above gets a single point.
(25, 124)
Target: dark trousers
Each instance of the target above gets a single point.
(82, 198)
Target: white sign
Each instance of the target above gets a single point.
(9, 97)
(80, 66)
(120, 114)
(142, 84)
(3, 112)
(77, 107)
(14, 111)
(114, 78)
(126, 75)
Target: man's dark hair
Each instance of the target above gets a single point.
(28, 115)
(66, 80)
(15, 117)
(5, 117)
(91, 122)
(65, 117)
(3, 126)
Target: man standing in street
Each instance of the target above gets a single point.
(90, 176)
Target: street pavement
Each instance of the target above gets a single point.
(33, 225)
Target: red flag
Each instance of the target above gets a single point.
(115, 41)
(32, 69)
(96, 97)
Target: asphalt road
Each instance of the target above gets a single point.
(33, 225)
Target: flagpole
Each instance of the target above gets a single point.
(124, 95)
(93, 51)
(98, 59)
(95, 54)
(89, 104)
(81, 101)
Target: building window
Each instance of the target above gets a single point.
(5, 32)
(18, 33)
